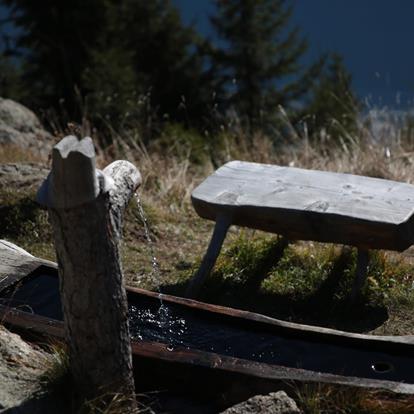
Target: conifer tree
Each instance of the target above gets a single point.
(107, 52)
(334, 108)
(109, 82)
(55, 37)
(260, 61)
(166, 58)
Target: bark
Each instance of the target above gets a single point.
(85, 209)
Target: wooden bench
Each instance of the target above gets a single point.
(368, 213)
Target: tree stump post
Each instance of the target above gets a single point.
(86, 208)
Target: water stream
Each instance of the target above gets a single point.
(155, 274)
(163, 319)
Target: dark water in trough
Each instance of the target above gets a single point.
(220, 334)
(178, 326)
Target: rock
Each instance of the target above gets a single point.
(20, 368)
(20, 127)
(22, 176)
(274, 403)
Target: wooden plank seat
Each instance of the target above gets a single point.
(300, 204)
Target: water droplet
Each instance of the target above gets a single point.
(170, 348)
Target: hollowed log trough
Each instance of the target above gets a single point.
(186, 344)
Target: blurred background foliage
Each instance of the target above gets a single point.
(119, 64)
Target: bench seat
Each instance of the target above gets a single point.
(300, 204)
(310, 205)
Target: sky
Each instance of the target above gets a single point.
(375, 38)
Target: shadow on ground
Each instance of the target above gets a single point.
(326, 306)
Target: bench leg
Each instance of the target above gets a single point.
(360, 273)
(220, 230)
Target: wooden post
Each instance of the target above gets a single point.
(85, 208)
(223, 223)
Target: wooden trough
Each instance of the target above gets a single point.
(180, 342)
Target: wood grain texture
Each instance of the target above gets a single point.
(86, 216)
(83, 181)
(16, 263)
(311, 205)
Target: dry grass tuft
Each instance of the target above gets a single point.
(13, 153)
(330, 399)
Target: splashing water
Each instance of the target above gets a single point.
(163, 318)
(158, 326)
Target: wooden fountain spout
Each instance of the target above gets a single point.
(86, 206)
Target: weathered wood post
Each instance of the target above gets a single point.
(223, 222)
(85, 208)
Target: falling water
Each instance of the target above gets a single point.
(155, 273)
(163, 318)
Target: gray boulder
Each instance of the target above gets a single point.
(20, 369)
(22, 176)
(21, 128)
(273, 403)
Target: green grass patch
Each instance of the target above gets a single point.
(308, 283)
(300, 272)
(24, 222)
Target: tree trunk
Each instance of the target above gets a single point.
(85, 209)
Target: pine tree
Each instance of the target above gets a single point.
(107, 53)
(55, 37)
(166, 58)
(260, 62)
(334, 108)
(109, 82)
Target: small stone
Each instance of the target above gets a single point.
(273, 403)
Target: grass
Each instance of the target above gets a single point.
(10, 154)
(310, 283)
(57, 384)
(56, 377)
(328, 399)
